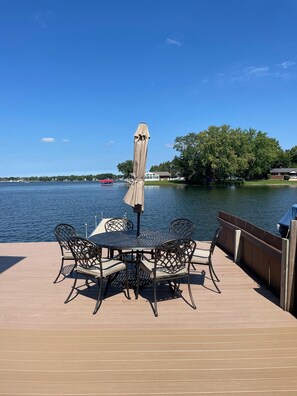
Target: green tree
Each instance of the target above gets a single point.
(101, 176)
(163, 167)
(220, 152)
(188, 164)
(217, 151)
(283, 160)
(126, 168)
(265, 152)
(292, 154)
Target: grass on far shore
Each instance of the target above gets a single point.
(270, 182)
(262, 182)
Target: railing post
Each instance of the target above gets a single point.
(284, 275)
(237, 246)
(291, 264)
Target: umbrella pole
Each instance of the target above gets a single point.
(138, 224)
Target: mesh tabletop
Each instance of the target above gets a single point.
(122, 240)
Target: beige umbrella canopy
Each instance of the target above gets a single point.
(135, 194)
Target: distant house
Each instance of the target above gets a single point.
(153, 176)
(280, 173)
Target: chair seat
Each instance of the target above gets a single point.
(148, 266)
(200, 256)
(109, 267)
(67, 255)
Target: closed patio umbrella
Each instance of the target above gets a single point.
(135, 195)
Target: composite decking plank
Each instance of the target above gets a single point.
(172, 387)
(86, 364)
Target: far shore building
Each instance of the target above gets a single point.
(154, 176)
(281, 173)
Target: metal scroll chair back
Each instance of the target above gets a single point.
(118, 224)
(89, 264)
(62, 233)
(182, 227)
(172, 257)
(87, 254)
(204, 256)
(171, 263)
(121, 224)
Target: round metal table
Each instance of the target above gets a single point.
(128, 240)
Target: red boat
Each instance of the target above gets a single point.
(106, 182)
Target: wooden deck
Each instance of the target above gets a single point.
(238, 342)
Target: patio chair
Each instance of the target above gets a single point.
(204, 257)
(171, 263)
(121, 224)
(90, 265)
(62, 233)
(182, 227)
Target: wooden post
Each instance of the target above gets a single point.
(237, 246)
(284, 275)
(291, 264)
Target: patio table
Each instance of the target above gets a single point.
(128, 240)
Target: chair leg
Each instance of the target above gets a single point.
(99, 299)
(108, 282)
(70, 271)
(72, 290)
(60, 271)
(213, 272)
(172, 288)
(212, 278)
(155, 300)
(190, 294)
(127, 282)
(137, 281)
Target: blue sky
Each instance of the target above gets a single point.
(77, 76)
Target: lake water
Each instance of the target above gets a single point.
(30, 211)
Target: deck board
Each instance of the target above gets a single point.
(238, 342)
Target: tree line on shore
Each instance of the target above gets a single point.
(223, 153)
(61, 178)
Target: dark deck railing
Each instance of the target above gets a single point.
(267, 256)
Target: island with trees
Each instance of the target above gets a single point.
(222, 153)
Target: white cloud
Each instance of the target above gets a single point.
(110, 142)
(169, 145)
(65, 140)
(170, 41)
(286, 64)
(256, 71)
(248, 73)
(47, 140)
